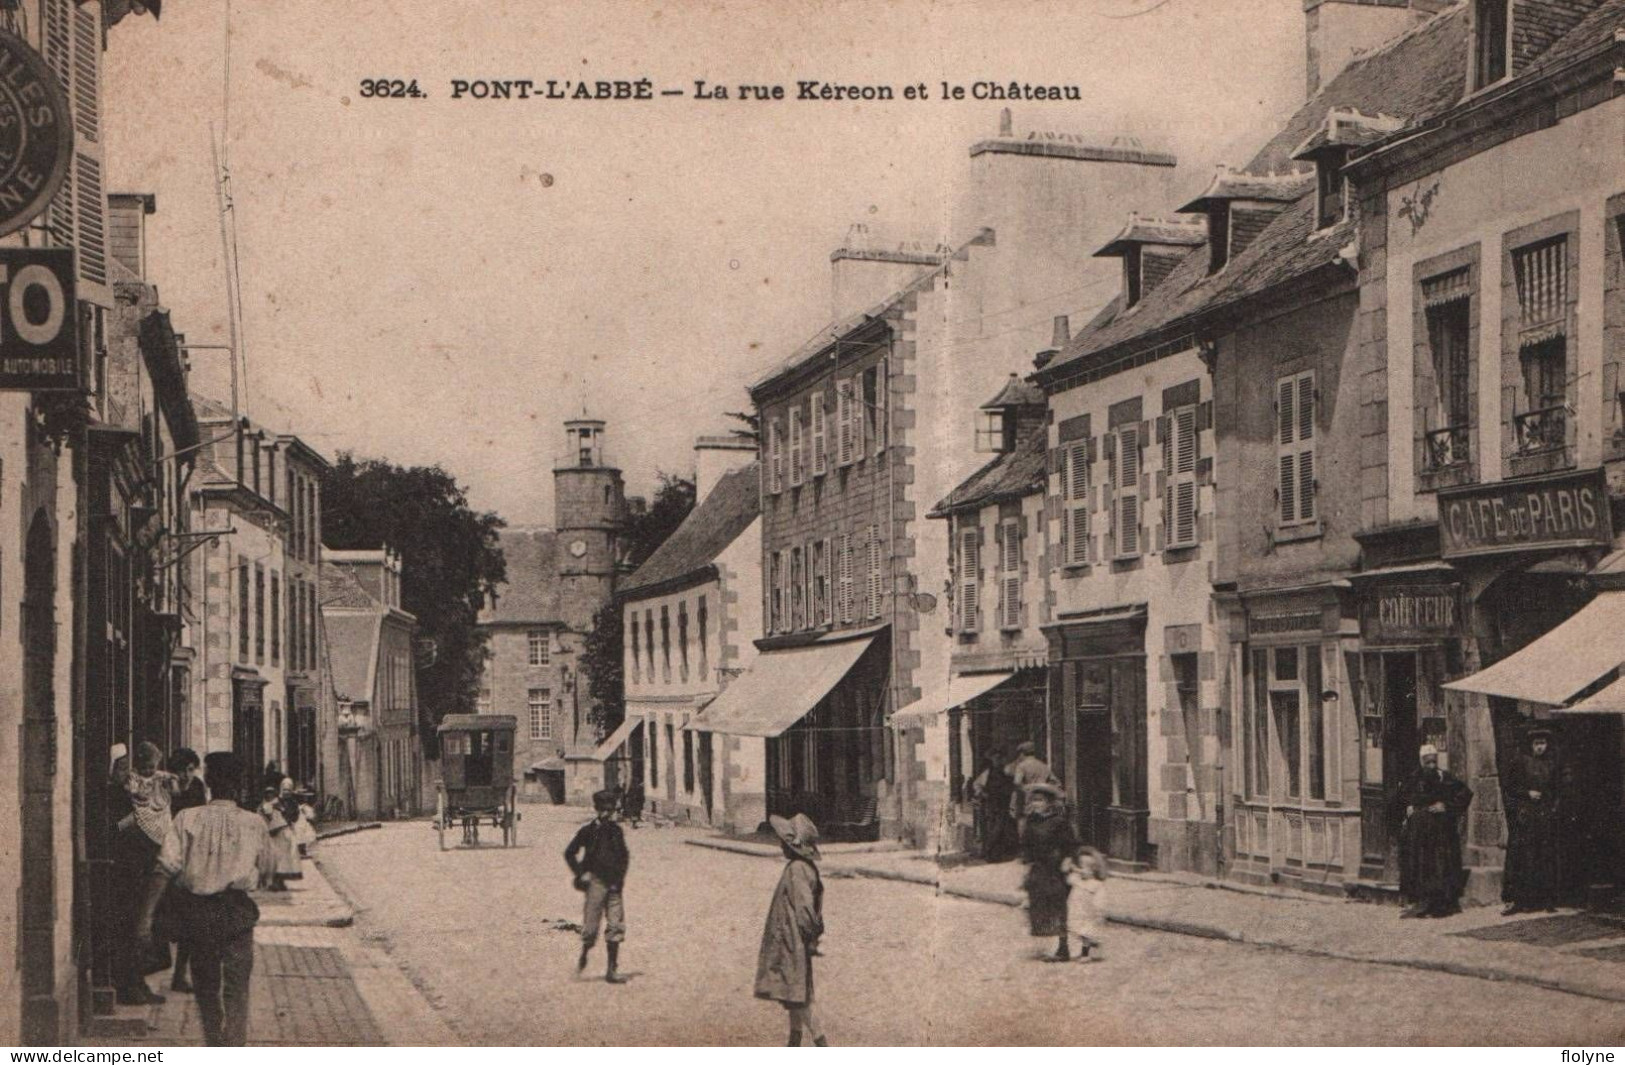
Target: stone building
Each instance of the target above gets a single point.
(919, 341)
(370, 643)
(557, 581)
(997, 692)
(1491, 334)
(692, 614)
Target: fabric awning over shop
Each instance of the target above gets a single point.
(961, 689)
(1610, 700)
(779, 689)
(1562, 663)
(615, 739)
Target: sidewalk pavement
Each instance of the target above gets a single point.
(315, 983)
(1575, 952)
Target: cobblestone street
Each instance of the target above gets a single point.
(489, 937)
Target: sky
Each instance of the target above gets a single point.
(442, 281)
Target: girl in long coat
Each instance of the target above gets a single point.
(1533, 879)
(795, 922)
(1047, 842)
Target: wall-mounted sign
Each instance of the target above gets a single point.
(1409, 612)
(36, 133)
(1567, 510)
(39, 335)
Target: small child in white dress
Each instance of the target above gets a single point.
(1086, 901)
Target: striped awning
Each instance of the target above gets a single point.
(1447, 288)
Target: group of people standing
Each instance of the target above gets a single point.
(186, 847)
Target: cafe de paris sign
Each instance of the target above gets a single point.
(36, 134)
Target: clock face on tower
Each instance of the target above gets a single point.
(578, 548)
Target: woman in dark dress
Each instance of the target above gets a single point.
(999, 828)
(1430, 841)
(1047, 841)
(1533, 878)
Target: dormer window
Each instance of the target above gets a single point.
(1330, 189)
(1150, 249)
(995, 431)
(1492, 23)
(1006, 419)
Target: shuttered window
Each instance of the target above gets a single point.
(71, 41)
(1075, 494)
(1295, 448)
(1010, 574)
(1179, 469)
(846, 590)
(874, 585)
(1124, 467)
(821, 557)
(1542, 277)
(775, 615)
(846, 423)
(775, 458)
(970, 563)
(820, 458)
(797, 606)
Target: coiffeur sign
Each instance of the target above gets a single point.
(36, 133)
(1568, 510)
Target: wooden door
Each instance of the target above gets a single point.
(1388, 743)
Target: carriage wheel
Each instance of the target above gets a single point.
(440, 815)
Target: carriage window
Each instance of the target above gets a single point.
(502, 743)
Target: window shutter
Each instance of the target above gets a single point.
(1288, 490)
(1076, 473)
(775, 457)
(969, 562)
(1128, 490)
(1180, 519)
(1306, 407)
(846, 578)
(71, 39)
(883, 404)
(1010, 581)
(797, 459)
(843, 423)
(819, 458)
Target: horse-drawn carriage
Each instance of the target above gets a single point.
(476, 777)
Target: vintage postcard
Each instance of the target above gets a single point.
(919, 522)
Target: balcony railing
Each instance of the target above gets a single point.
(1540, 430)
(1446, 447)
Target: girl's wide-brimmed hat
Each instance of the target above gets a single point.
(798, 833)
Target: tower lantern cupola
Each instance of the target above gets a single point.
(583, 443)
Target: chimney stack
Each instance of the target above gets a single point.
(1338, 30)
(127, 228)
(1062, 334)
(715, 456)
(1006, 124)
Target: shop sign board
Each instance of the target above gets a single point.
(1410, 612)
(39, 336)
(1564, 510)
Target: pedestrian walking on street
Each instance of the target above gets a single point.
(1027, 770)
(1047, 843)
(1430, 869)
(795, 924)
(287, 858)
(991, 793)
(598, 859)
(1533, 878)
(1086, 902)
(212, 857)
(138, 806)
(190, 791)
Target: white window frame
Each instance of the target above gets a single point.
(1010, 574)
(1181, 494)
(540, 713)
(1296, 405)
(820, 444)
(1076, 479)
(537, 651)
(970, 565)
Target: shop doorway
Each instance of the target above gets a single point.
(1389, 742)
(1102, 754)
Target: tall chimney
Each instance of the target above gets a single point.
(127, 228)
(715, 456)
(864, 270)
(1062, 334)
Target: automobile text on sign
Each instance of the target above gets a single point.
(1569, 510)
(39, 336)
(36, 133)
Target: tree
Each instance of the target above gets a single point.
(450, 564)
(602, 656)
(749, 427)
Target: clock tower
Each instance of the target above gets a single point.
(589, 507)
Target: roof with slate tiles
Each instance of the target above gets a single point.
(530, 593)
(1012, 475)
(719, 519)
(1174, 232)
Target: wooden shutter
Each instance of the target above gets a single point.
(970, 562)
(775, 457)
(882, 407)
(1306, 447)
(874, 571)
(820, 459)
(1295, 440)
(795, 446)
(1010, 576)
(1127, 488)
(1076, 493)
(1179, 458)
(71, 39)
(846, 578)
(844, 423)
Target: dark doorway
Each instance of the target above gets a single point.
(705, 772)
(37, 901)
(1389, 743)
(248, 727)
